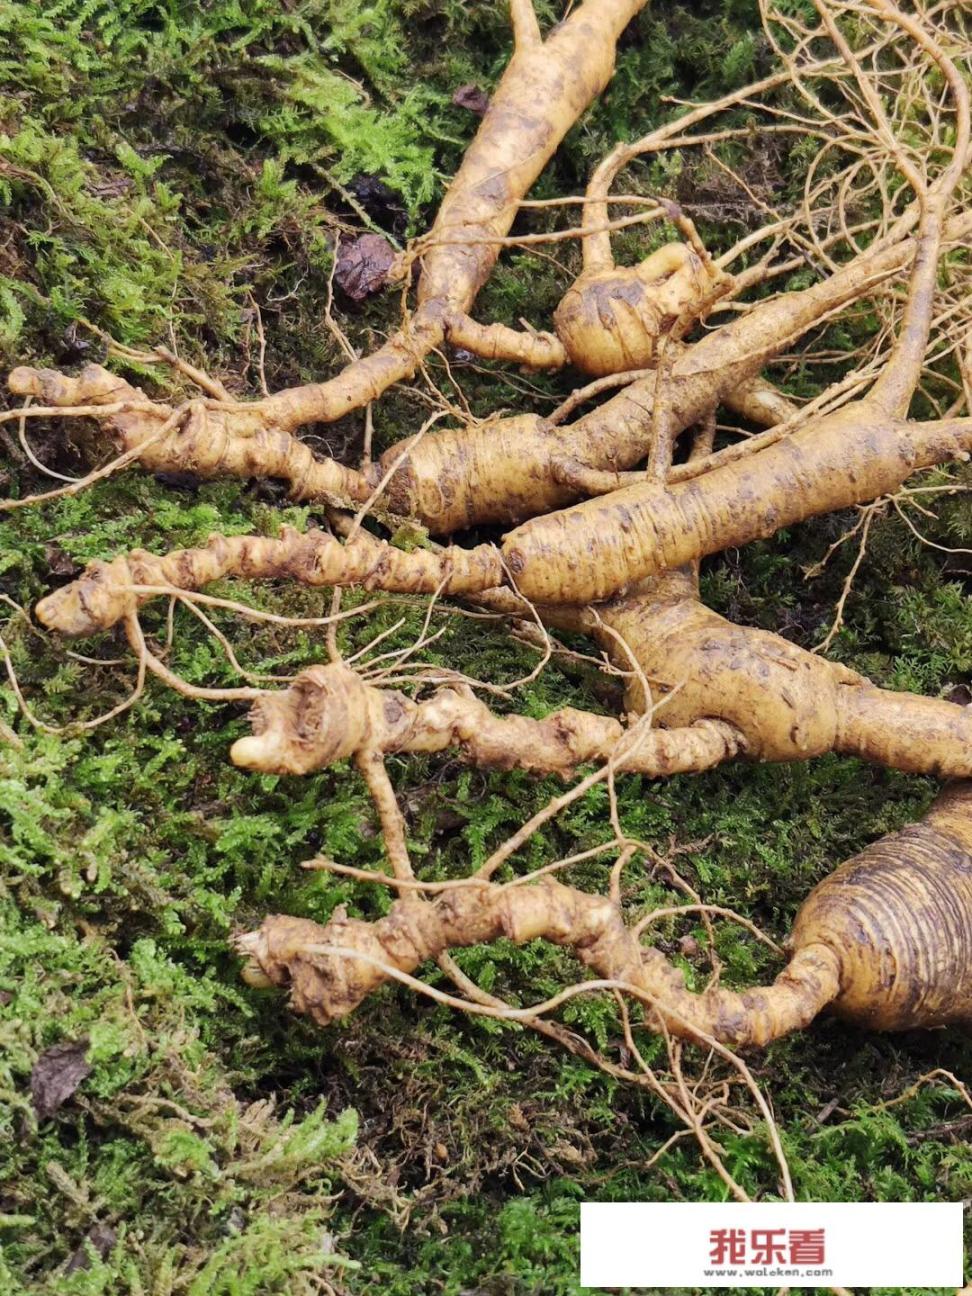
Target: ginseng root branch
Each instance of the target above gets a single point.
(885, 942)
(329, 713)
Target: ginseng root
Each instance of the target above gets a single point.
(587, 553)
(856, 454)
(613, 318)
(503, 470)
(329, 713)
(785, 702)
(885, 942)
(546, 86)
(107, 592)
(718, 691)
(509, 470)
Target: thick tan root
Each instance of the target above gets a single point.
(899, 917)
(107, 592)
(853, 456)
(886, 941)
(545, 88)
(329, 970)
(503, 470)
(770, 699)
(613, 319)
(500, 342)
(780, 702)
(212, 439)
(789, 704)
(329, 713)
(447, 480)
(857, 454)
(509, 469)
(724, 365)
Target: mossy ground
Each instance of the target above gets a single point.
(176, 166)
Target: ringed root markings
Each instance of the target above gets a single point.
(784, 702)
(885, 942)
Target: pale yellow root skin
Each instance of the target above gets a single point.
(327, 986)
(612, 319)
(781, 702)
(788, 704)
(329, 713)
(899, 916)
(234, 441)
(502, 471)
(719, 691)
(853, 456)
(857, 454)
(724, 365)
(885, 941)
(545, 88)
(103, 595)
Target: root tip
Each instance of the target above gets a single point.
(247, 752)
(261, 753)
(252, 946)
(24, 381)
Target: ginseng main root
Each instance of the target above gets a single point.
(717, 691)
(502, 470)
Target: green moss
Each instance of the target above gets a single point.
(169, 162)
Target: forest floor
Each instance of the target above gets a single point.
(176, 173)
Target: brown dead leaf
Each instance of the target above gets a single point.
(59, 563)
(363, 265)
(101, 1239)
(111, 187)
(56, 1074)
(471, 97)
